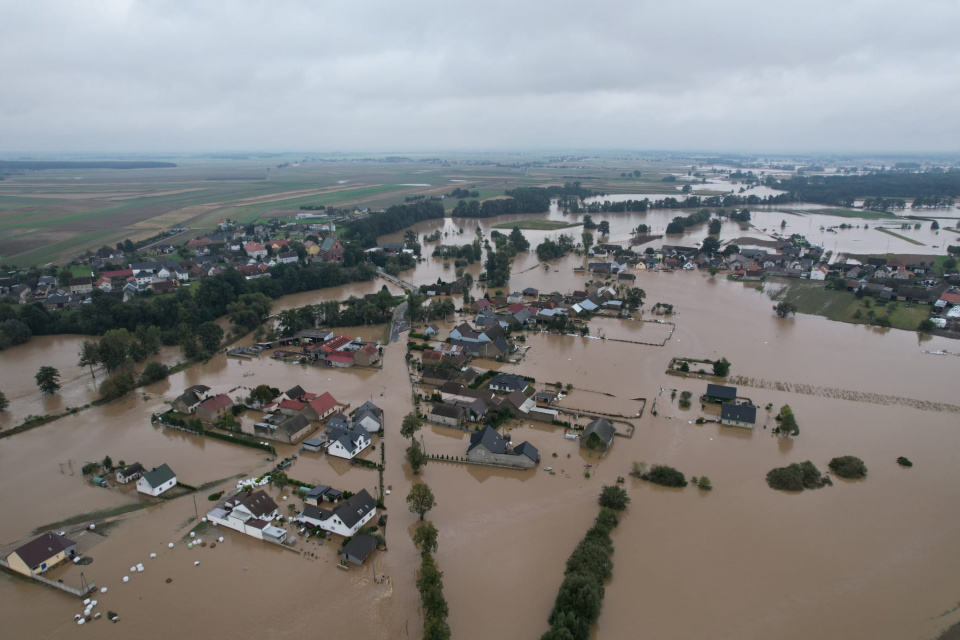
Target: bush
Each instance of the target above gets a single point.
(614, 497)
(665, 476)
(116, 385)
(705, 483)
(904, 462)
(685, 400)
(153, 372)
(213, 497)
(795, 477)
(849, 467)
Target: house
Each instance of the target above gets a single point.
(369, 416)
(331, 250)
(507, 382)
(250, 513)
(358, 549)
(288, 257)
(530, 292)
(493, 349)
(738, 415)
(41, 554)
(291, 407)
(292, 430)
(130, 472)
(489, 446)
(214, 408)
(157, 480)
(255, 250)
(347, 443)
(447, 414)
(481, 304)
(515, 298)
(820, 273)
(190, 399)
(321, 407)
(346, 518)
(431, 330)
(598, 435)
(367, 356)
(718, 393)
(627, 277)
(545, 398)
(80, 285)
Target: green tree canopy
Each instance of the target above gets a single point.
(420, 499)
(48, 379)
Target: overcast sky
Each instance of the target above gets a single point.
(723, 75)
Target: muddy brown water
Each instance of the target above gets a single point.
(868, 559)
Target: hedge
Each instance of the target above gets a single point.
(241, 441)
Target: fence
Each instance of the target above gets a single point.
(90, 587)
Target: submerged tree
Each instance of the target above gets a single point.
(48, 379)
(425, 537)
(410, 425)
(89, 356)
(784, 309)
(420, 499)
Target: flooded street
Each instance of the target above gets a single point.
(871, 559)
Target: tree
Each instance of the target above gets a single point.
(262, 393)
(518, 240)
(414, 310)
(788, 422)
(849, 467)
(114, 348)
(710, 245)
(784, 309)
(189, 345)
(107, 463)
(614, 497)
(210, 335)
(89, 356)
(604, 228)
(721, 367)
(153, 372)
(416, 457)
(705, 484)
(4, 403)
(714, 227)
(588, 223)
(410, 425)
(420, 499)
(425, 537)
(934, 225)
(48, 379)
(587, 239)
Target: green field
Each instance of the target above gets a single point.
(852, 213)
(537, 225)
(842, 306)
(897, 235)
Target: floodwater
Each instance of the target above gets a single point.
(868, 559)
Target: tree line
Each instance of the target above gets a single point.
(844, 190)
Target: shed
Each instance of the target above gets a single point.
(598, 434)
(358, 549)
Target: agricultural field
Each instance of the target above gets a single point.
(537, 225)
(50, 216)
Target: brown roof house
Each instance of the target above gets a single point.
(215, 408)
(41, 554)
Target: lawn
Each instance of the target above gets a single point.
(843, 306)
(537, 225)
(897, 235)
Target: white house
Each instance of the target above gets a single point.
(250, 513)
(347, 444)
(346, 519)
(156, 481)
(819, 273)
(130, 473)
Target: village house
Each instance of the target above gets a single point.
(738, 415)
(346, 518)
(41, 554)
(507, 382)
(80, 286)
(369, 416)
(190, 399)
(250, 513)
(214, 408)
(598, 435)
(347, 443)
(129, 473)
(367, 356)
(157, 480)
(490, 447)
(316, 495)
(321, 407)
(291, 430)
(255, 250)
(447, 414)
(288, 257)
(718, 393)
(330, 250)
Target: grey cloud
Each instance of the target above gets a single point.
(170, 76)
